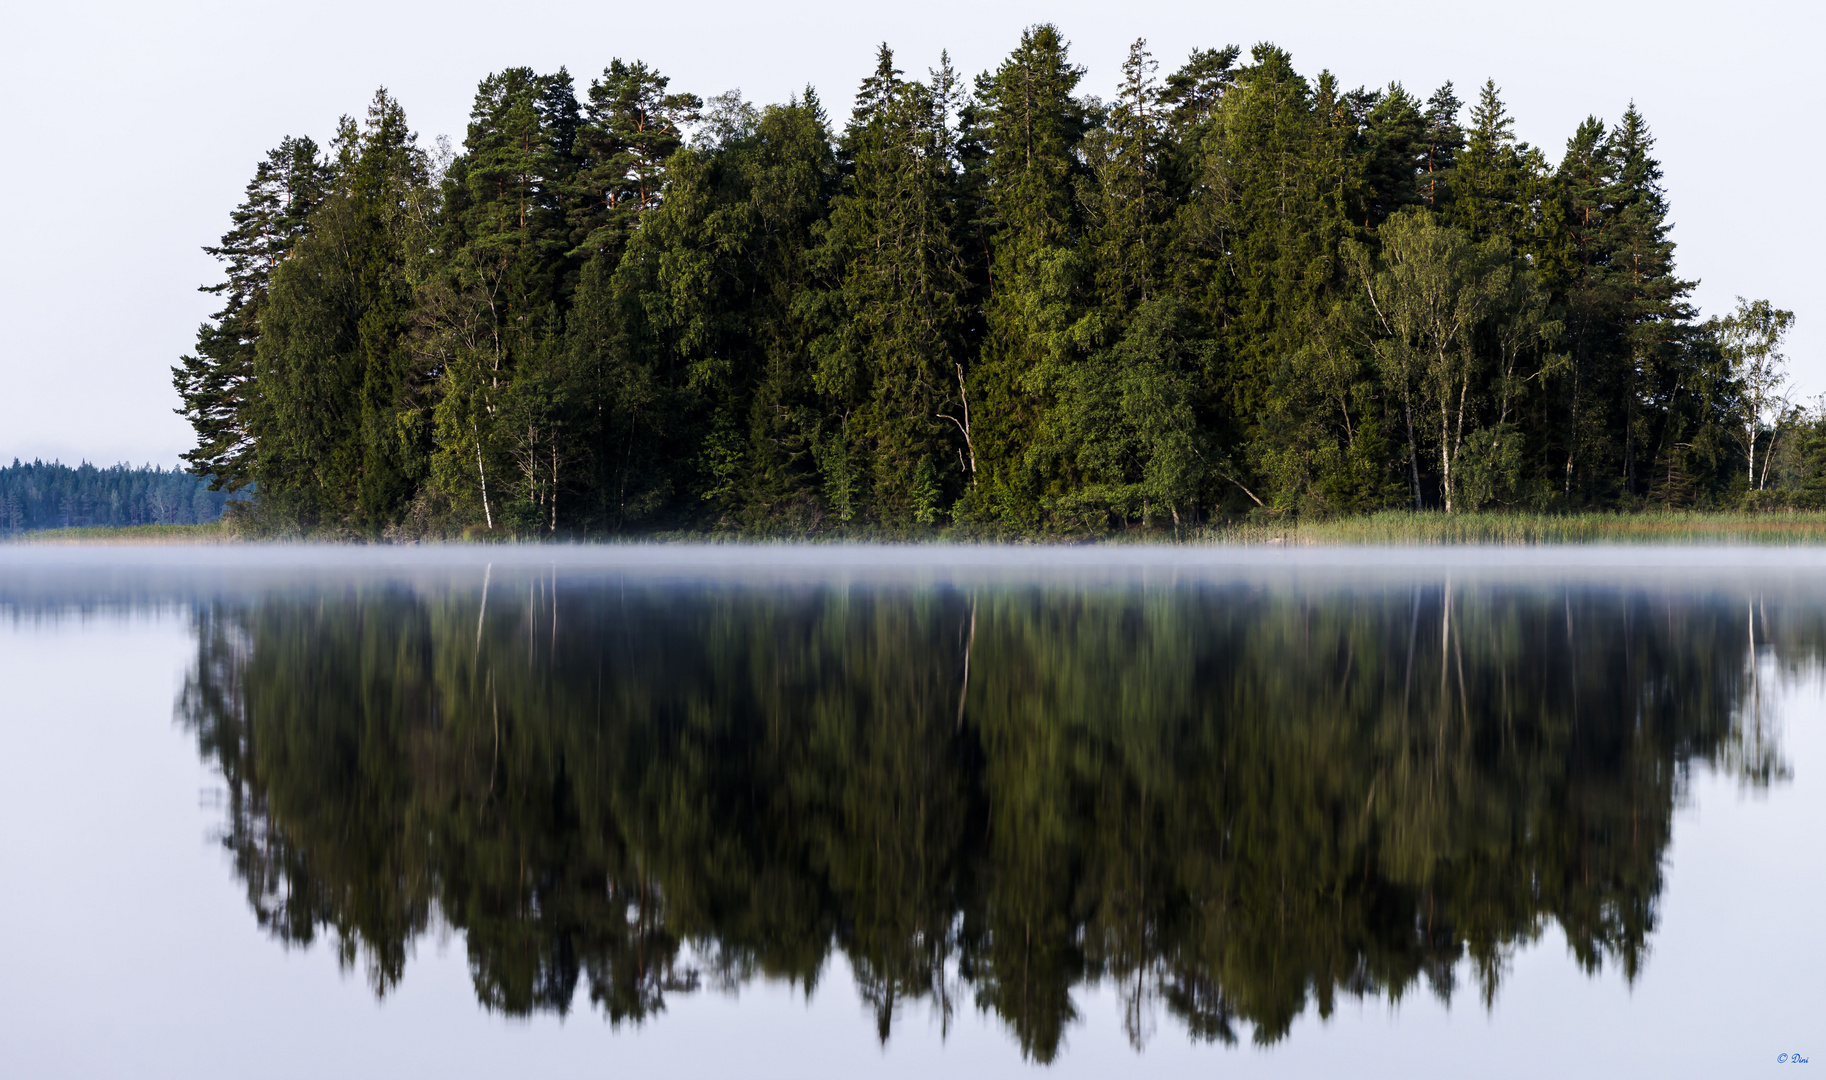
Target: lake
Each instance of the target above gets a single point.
(778, 811)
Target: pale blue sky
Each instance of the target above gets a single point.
(130, 130)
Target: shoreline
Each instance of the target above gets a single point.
(1383, 529)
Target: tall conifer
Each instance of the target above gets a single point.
(1444, 138)
(333, 369)
(1031, 126)
(217, 384)
(1488, 179)
(894, 370)
(1398, 146)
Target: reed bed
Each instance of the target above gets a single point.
(1647, 527)
(1385, 529)
(213, 533)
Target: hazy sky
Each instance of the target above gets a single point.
(130, 130)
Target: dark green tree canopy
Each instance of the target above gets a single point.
(1001, 305)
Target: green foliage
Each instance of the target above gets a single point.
(1750, 341)
(332, 441)
(890, 368)
(1003, 306)
(1449, 322)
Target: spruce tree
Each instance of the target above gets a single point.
(1573, 270)
(1120, 426)
(1125, 194)
(1624, 312)
(1650, 297)
(332, 367)
(1030, 128)
(1022, 308)
(1282, 185)
(725, 288)
(1397, 146)
(1488, 179)
(893, 371)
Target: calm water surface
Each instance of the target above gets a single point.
(816, 812)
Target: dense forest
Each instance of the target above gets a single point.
(1001, 304)
(1232, 803)
(58, 496)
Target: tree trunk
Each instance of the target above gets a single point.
(1445, 459)
(1407, 407)
(487, 514)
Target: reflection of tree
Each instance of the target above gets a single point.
(1233, 803)
(318, 791)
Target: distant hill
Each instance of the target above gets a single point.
(40, 495)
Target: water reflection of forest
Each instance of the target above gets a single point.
(1229, 803)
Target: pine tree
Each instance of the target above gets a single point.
(1443, 140)
(518, 167)
(217, 384)
(621, 399)
(1190, 98)
(631, 126)
(491, 313)
(1191, 94)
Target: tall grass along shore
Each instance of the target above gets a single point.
(212, 533)
(1390, 528)
(1649, 527)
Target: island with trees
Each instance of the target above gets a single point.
(998, 307)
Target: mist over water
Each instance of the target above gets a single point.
(1222, 808)
(36, 575)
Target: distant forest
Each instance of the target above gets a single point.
(58, 496)
(1001, 304)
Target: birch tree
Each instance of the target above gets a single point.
(1428, 294)
(1752, 337)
